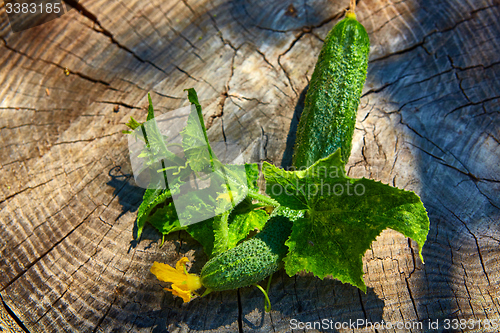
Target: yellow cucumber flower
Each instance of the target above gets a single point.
(183, 283)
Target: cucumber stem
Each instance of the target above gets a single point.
(352, 7)
(267, 305)
(207, 291)
(269, 283)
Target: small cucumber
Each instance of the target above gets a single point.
(327, 122)
(251, 261)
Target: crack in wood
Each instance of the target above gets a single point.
(79, 74)
(31, 264)
(10, 196)
(475, 240)
(83, 11)
(128, 106)
(412, 299)
(101, 320)
(86, 140)
(301, 34)
(13, 316)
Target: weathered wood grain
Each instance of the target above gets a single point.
(428, 121)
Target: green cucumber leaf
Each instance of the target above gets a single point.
(252, 174)
(343, 216)
(227, 194)
(165, 220)
(228, 183)
(132, 124)
(196, 149)
(203, 233)
(241, 221)
(235, 223)
(154, 149)
(151, 198)
(221, 233)
(151, 112)
(225, 230)
(244, 219)
(195, 139)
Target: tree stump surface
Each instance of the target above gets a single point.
(428, 121)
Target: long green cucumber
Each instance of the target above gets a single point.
(327, 122)
(251, 261)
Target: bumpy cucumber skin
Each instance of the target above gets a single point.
(332, 100)
(251, 261)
